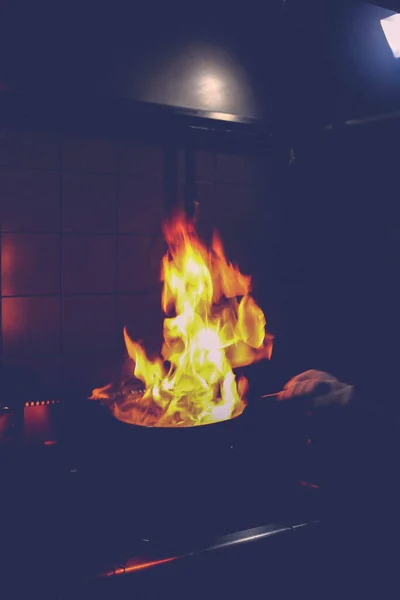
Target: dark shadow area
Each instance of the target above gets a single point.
(109, 127)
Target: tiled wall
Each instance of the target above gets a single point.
(81, 246)
(80, 251)
(233, 198)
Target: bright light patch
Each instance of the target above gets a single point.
(211, 89)
(391, 29)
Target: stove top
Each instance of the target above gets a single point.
(86, 498)
(86, 494)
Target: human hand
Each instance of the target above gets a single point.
(315, 389)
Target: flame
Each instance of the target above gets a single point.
(212, 326)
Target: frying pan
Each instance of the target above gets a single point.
(188, 483)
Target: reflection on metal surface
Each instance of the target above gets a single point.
(40, 423)
(223, 117)
(313, 486)
(226, 541)
(137, 565)
(6, 424)
(252, 535)
(390, 116)
(42, 403)
(211, 90)
(197, 76)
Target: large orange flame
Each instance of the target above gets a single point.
(212, 326)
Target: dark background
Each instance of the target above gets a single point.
(319, 231)
(320, 61)
(111, 115)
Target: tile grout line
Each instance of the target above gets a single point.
(61, 249)
(75, 294)
(117, 249)
(137, 174)
(1, 301)
(84, 233)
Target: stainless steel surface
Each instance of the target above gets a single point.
(255, 534)
(226, 541)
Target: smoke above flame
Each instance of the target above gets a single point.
(212, 326)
